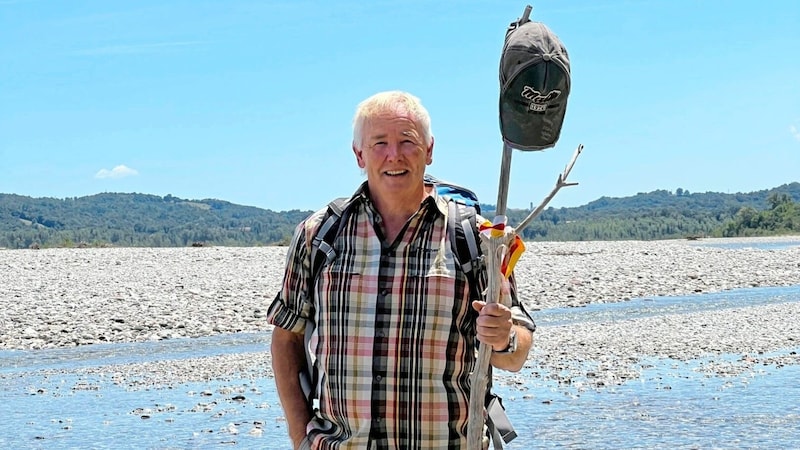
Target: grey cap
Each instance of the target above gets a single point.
(534, 86)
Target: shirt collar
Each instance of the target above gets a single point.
(362, 195)
(441, 202)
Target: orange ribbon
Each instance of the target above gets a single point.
(494, 229)
(498, 229)
(512, 256)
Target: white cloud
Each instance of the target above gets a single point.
(120, 171)
(795, 132)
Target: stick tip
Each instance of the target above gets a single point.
(526, 14)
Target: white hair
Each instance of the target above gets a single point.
(396, 101)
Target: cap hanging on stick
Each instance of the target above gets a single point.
(534, 85)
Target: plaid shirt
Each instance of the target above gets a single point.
(395, 338)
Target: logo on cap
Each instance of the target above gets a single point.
(539, 102)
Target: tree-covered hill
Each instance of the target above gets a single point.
(121, 219)
(138, 220)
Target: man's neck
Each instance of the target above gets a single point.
(395, 210)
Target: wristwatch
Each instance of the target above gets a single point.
(512, 344)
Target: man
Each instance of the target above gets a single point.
(396, 332)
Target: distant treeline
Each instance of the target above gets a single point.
(141, 220)
(662, 214)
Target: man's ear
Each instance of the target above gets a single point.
(430, 153)
(359, 157)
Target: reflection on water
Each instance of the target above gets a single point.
(672, 405)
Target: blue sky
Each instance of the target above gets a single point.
(252, 101)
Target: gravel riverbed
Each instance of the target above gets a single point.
(56, 298)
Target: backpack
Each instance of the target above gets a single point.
(452, 191)
(463, 208)
(534, 85)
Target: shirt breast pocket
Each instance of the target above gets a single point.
(340, 280)
(438, 276)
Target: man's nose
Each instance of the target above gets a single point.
(393, 150)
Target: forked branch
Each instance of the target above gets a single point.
(561, 182)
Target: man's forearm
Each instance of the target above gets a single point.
(288, 360)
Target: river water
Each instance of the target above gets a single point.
(672, 405)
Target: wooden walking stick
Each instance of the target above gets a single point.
(534, 79)
(495, 249)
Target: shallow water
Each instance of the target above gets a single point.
(90, 412)
(656, 306)
(128, 353)
(673, 404)
(759, 245)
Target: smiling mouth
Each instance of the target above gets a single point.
(395, 173)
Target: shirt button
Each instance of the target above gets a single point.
(378, 378)
(384, 292)
(381, 334)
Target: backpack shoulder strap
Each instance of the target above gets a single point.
(322, 253)
(322, 244)
(462, 227)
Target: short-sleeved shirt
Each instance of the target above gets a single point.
(395, 338)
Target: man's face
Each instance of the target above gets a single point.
(393, 153)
